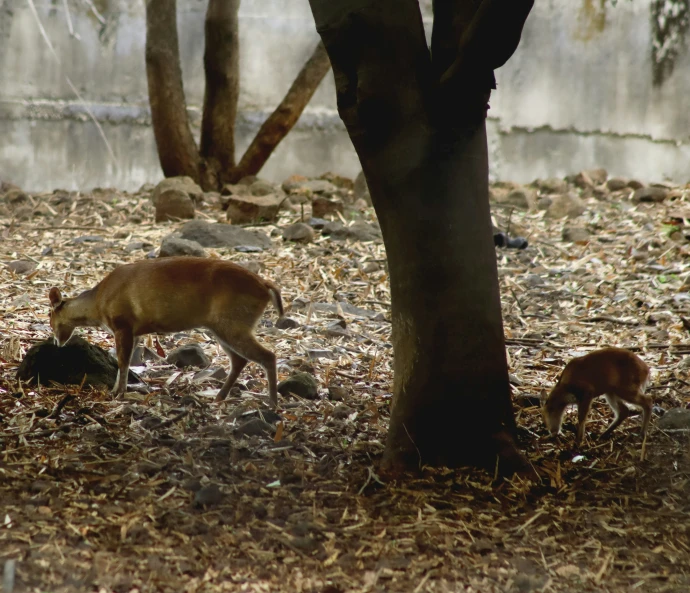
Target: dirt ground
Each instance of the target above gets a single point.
(170, 491)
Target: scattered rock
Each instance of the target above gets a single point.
(616, 184)
(287, 323)
(552, 185)
(361, 190)
(338, 180)
(208, 496)
(337, 393)
(174, 204)
(262, 188)
(67, 365)
(359, 231)
(570, 205)
(248, 209)
(189, 355)
(649, 194)
(173, 245)
(15, 197)
(317, 223)
(301, 384)
(86, 239)
(322, 206)
(675, 419)
(255, 427)
(182, 184)
(635, 184)
(300, 232)
(213, 234)
(293, 183)
(21, 266)
(572, 234)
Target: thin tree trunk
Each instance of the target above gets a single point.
(177, 149)
(426, 164)
(285, 116)
(222, 68)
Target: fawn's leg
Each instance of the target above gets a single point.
(238, 363)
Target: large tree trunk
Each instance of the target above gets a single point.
(177, 149)
(423, 150)
(285, 116)
(222, 68)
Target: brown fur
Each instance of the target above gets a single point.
(175, 294)
(616, 373)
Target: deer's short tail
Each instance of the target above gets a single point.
(276, 299)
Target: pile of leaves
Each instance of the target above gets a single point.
(169, 491)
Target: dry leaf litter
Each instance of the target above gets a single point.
(167, 490)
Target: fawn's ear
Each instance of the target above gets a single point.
(55, 297)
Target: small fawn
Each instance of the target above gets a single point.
(175, 294)
(616, 373)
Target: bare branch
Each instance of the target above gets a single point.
(285, 116)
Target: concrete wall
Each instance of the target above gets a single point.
(578, 93)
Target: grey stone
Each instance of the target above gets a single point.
(69, 364)
(300, 232)
(317, 223)
(675, 419)
(361, 190)
(301, 384)
(570, 205)
(523, 198)
(337, 393)
(210, 234)
(572, 234)
(616, 184)
(183, 184)
(174, 204)
(364, 231)
(209, 495)
(189, 355)
(322, 206)
(15, 197)
(552, 185)
(173, 245)
(254, 427)
(21, 266)
(287, 323)
(346, 308)
(293, 183)
(251, 265)
(262, 188)
(649, 194)
(248, 209)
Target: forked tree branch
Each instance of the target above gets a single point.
(490, 39)
(285, 116)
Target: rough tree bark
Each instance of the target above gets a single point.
(418, 126)
(213, 164)
(222, 69)
(177, 150)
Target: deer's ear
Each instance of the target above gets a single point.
(55, 297)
